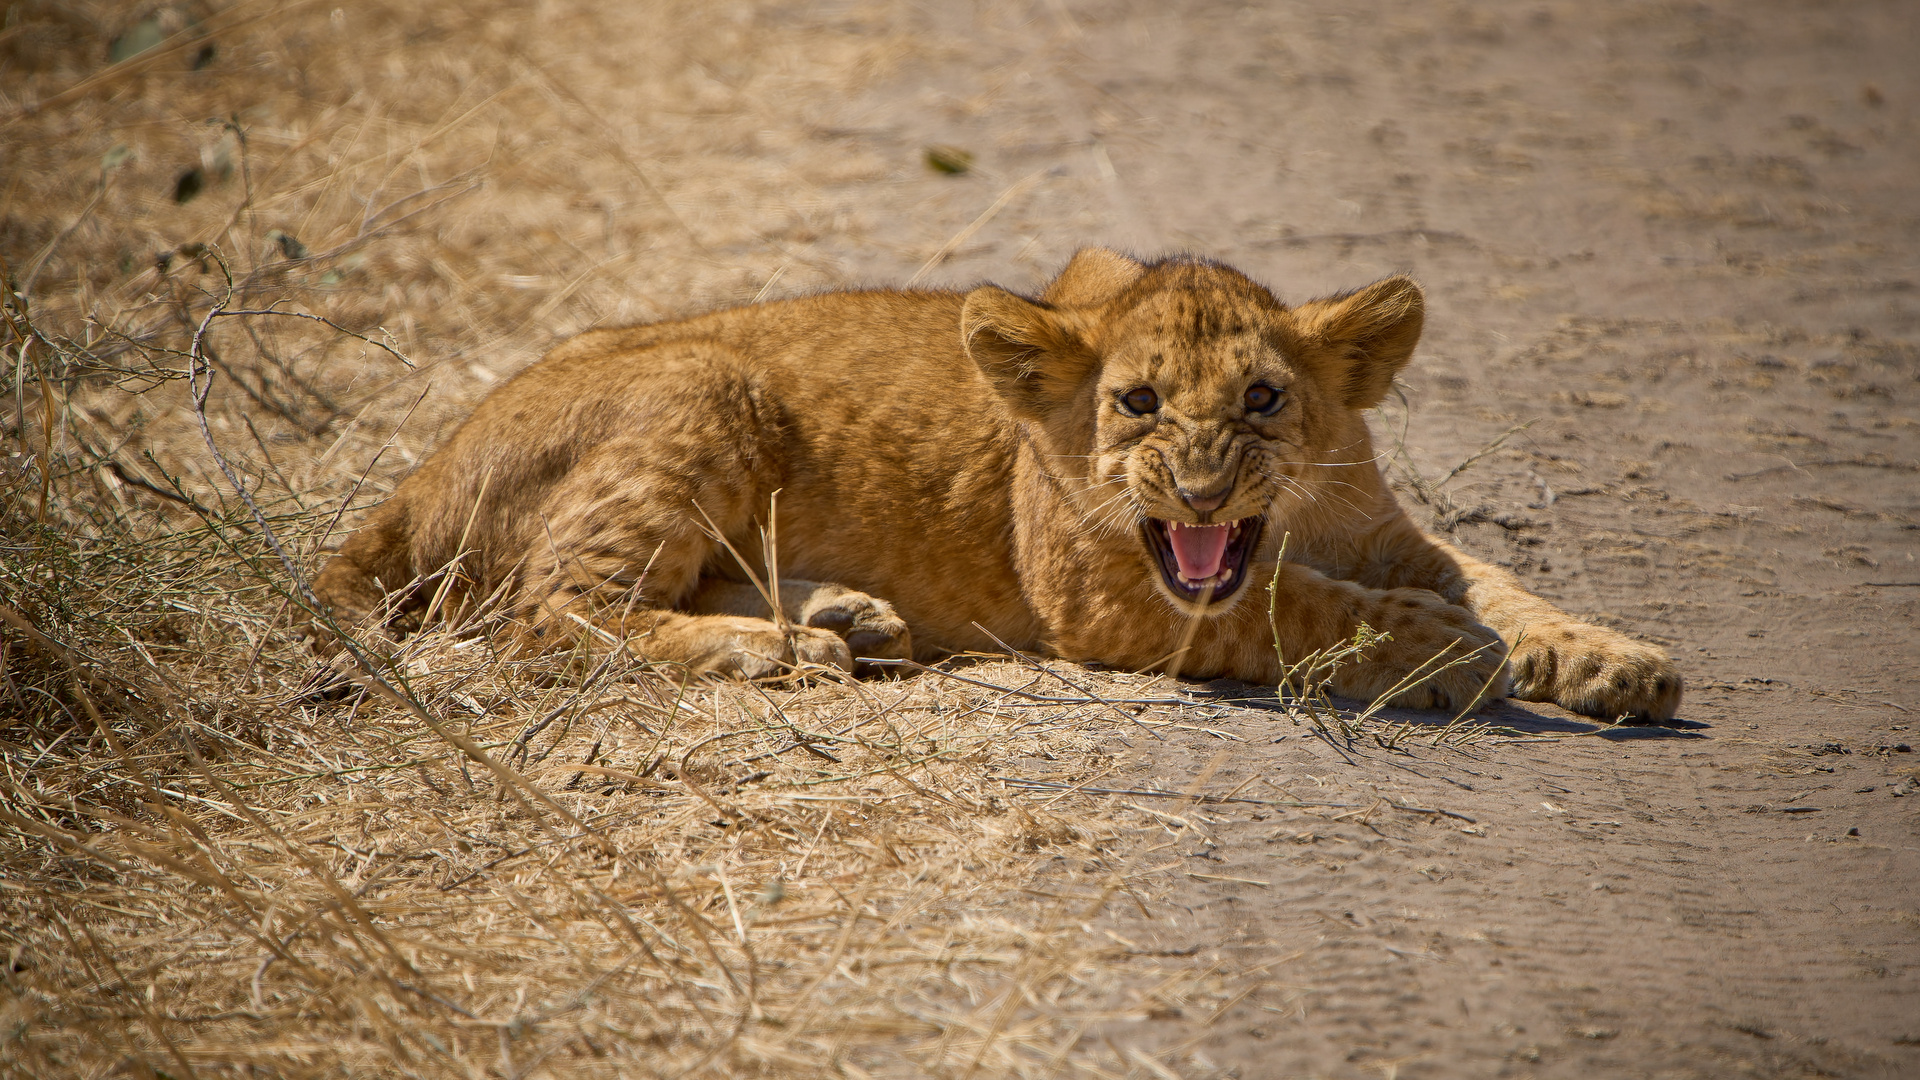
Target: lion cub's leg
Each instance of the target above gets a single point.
(621, 548)
(1434, 655)
(1553, 657)
(869, 624)
(1576, 665)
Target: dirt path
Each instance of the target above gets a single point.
(1640, 905)
(1677, 242)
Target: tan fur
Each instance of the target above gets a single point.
(948, 459)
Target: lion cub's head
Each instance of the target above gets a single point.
(1181, 401)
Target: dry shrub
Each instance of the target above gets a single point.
(346, 223)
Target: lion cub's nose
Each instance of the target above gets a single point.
(1204, 503)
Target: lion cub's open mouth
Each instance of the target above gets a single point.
(1191, 557)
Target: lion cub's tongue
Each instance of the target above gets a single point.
(1198, 548)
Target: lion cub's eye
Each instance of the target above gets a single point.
(1140, 400)
(1262, 398)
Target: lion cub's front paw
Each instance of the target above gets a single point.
(869, 624)
(1596, 672)
(1449, 660)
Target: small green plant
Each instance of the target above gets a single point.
(1303, 683)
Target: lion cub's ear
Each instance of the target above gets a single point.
(1029, 352)
(1358, 341)
(1092, 276)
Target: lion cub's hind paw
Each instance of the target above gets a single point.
(869, 625)
(1599, 673)
(757, 649)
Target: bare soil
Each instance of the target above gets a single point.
(1673, 338)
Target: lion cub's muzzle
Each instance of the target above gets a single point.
(1195, 558)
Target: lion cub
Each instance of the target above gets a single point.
(1101, 473)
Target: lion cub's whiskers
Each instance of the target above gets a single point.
(1112, 514)
(1312, 491)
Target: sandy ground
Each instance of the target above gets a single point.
(1672, 243)
(1676, 240)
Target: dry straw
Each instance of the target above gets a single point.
(486, 867)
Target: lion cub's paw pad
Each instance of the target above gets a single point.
(869, 625)
(821, 648)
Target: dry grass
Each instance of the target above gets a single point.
(759, 879)
(575, 866)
